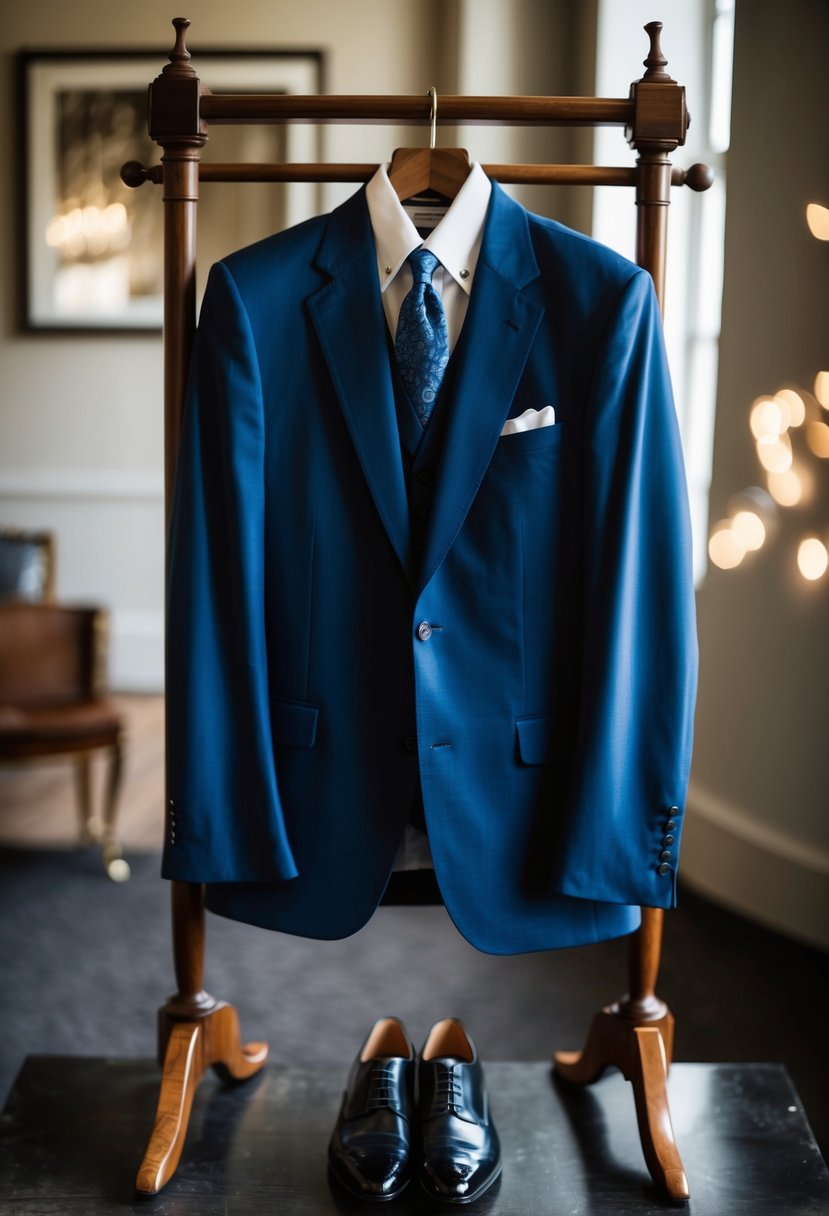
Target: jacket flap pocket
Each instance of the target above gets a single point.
(294, 723)
(535, 740)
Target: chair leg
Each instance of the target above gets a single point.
(637, 1036)
(89, 828)
(114, 864)
(195, 1032)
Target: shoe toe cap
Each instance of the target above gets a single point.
(376, 1173)
(458, 1177)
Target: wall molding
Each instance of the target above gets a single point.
(755, 869)
(94, 484)
(136, 651)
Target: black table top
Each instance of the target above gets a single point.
(74, 1130)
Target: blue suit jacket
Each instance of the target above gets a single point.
(552, 704)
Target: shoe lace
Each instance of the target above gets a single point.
(448, 1090)
(381, 1087)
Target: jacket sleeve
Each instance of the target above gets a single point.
(625, 804)
(225, 821)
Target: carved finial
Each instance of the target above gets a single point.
(656, 61)
(134, 174)
(699, 178)
(179, 56)
(180, 51)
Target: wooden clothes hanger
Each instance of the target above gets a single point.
(441, 171)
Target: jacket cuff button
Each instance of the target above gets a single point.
(664, 869)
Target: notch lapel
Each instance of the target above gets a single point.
(348, 317)
(499, 329)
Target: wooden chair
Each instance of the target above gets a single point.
(51, 697)
(195, 1030)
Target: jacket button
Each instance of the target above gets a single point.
(665, 855)
(410, 743)
(663, 869)
(424, 476)
(670, 825)
(424, 631)
(668, 839)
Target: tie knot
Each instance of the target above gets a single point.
(423, 264)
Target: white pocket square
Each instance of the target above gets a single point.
(530, 420)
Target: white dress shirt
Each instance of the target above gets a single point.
(456, 242)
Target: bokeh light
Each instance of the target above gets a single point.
(794, 404)
(817, 217)
(725, 548)
(817, 437)
(775, 454)
(786, 488)
(749, 529)
(822, 389)
(812, 558)
(768, 418)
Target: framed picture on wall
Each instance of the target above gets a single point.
(92, 247)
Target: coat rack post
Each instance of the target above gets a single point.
(195, 1031)
(636, 1034)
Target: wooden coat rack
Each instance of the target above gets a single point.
(195, 1030)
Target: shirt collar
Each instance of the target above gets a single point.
(455, 242)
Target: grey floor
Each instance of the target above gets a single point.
(85, 963)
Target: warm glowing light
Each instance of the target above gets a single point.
(817, 217)
(822, 389)
(817, 437)
(749, 529)
(90, 230)
(785, 488)
(114, 218)
(725, 548)
(775, 455)
(794, 404)
(812, 558)
(768, 418)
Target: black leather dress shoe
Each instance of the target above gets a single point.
(460, 1150)
(369, 1148)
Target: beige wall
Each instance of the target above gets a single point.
(758, 833)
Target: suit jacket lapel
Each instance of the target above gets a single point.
(347, 314)
(498, 332)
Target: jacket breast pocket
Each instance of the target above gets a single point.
(538, 439)
(294, 723)
(535, 740)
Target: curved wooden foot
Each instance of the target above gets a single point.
(641, 1048)
(650, 1073)
(190, 1047)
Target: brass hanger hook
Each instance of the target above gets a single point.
(433, 117)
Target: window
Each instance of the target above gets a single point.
(698, 41)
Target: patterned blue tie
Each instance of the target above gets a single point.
(421, 344)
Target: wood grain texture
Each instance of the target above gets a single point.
(642, 1052)
(192, 1048)
(416, 110)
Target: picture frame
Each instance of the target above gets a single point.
(92, 247)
